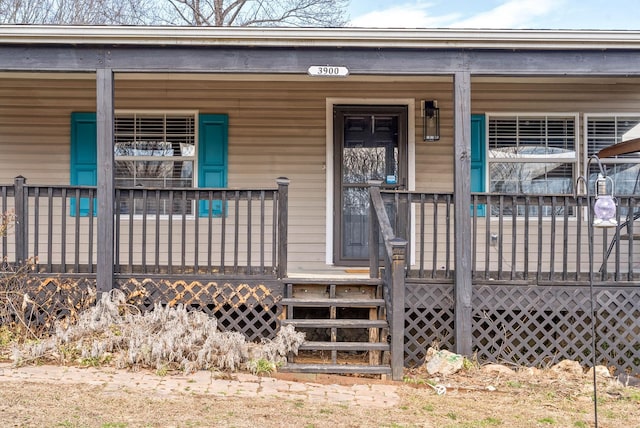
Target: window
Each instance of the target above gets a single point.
(605, 130)
(532, 154)
(155, 150)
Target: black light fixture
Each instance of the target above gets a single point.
(430, 120)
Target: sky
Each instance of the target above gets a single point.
(497, 14)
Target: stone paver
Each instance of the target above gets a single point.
(242, 385)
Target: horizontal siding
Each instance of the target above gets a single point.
(34, 126)
(277, 128)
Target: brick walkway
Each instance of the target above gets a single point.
(204, 382)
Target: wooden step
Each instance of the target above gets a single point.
(344, 346)
(337, 281)
(342, 303)
(335, 369)
(336, 323)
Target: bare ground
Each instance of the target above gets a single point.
(474, 398)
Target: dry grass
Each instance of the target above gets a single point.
(517, 400)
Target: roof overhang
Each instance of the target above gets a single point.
(319, 37)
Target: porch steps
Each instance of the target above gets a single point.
(344, 303)
(345, 346)
(336, 369)
(336, 323)
(344, 320)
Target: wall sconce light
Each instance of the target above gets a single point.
(604, 208)
(430, 120)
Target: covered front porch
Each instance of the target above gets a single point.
(530, 283)
(507, 275)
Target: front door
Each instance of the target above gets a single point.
(370, 144)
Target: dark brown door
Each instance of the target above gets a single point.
(370, 144)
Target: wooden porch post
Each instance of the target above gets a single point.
(21, 220)
(106, 191)
(398, 263)
(462, 199)
(283, 224)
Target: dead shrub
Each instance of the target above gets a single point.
(167, 337)
(30, 308)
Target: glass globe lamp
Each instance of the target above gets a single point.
(604, 208)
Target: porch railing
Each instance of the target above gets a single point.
(531, 299)
(157, 231)
(519, 239)
(394, 262)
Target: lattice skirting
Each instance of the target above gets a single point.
(525, 325)
(545, 324)
(41, 300)
(429, 317)
(250, 307)
(530, 325)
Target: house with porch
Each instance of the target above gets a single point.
(381, 190)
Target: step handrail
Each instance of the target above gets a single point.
(393, 282)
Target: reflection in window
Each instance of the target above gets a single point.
(361, 164)
(155, 151)
(532, 155)
(604, 131)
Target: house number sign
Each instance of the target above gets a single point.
(328, 71)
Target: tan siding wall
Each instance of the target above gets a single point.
(587, 96)
(276, 128)
(34, 126)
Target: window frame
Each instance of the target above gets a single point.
(575, 161)
(162, 112)
(618, 138)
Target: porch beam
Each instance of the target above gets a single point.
(106, 190)
(462, 224)
(216, 59)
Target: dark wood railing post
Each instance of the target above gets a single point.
(21, 220)
(374, 233)
(398, 264)
(283, 224)
(463, 285)
(106, 185)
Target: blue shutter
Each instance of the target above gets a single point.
(478, 154)
(213, 138)
(83, 157)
